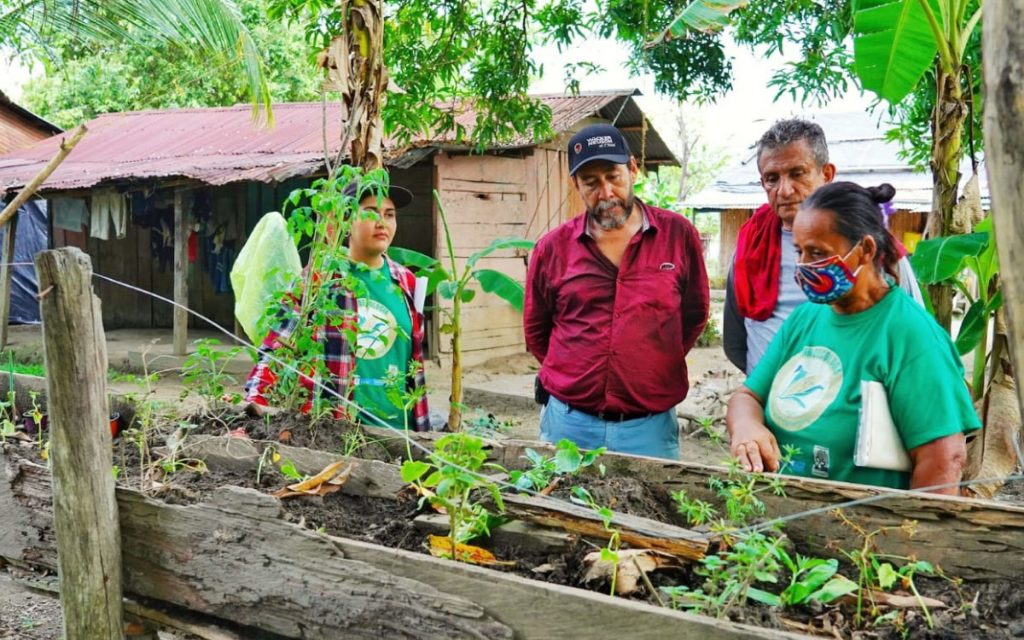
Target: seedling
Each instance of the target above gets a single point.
(457, 286)
(567, 461)
(610, 552)
(877, 570)
(449, 481)
(204, 372)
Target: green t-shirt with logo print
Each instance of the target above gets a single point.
(383, 343)
(809, 381)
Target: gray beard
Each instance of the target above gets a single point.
(603, 216)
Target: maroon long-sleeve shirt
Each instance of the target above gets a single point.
(615, 339)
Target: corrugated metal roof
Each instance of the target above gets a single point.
(858, 148)
(221, 145)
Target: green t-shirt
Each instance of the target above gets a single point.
(809, 380)
(383, 343)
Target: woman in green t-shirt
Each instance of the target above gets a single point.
(858, 335)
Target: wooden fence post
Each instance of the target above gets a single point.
(181, 233)
(84, 506)
(7, 256)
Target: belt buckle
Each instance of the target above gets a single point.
(609, 417)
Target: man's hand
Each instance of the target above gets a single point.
(754, 446)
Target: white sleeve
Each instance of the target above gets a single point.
(908, 281)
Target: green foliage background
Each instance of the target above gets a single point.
(82, 81)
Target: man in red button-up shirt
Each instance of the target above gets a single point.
(615, 299)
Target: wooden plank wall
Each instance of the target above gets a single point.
(903, 221)
(17, 132)
(731, 221)
(485, 197)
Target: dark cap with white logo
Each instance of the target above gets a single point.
(399, 195)
(597, 142)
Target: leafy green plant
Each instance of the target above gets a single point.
(896, 42)
(946, 260)
(756, 558)
(486, 425)
(610, 552)
(568, 460)
(739, 493)
(319, 218)
(450, 479)
(456, 285)
(880, 571)
(204, 372)
(710, 336)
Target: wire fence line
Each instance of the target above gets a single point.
(412, 442)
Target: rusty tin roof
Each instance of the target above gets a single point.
(220, 145)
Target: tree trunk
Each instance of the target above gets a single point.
(355, 67)
(1003, 56)
(947, 129)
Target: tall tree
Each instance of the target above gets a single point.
(87, 79)
(914, 54)
(46, 29)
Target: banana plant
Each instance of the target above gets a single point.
(946, 260)
(706, 16)
(459, 286)
(895, 43)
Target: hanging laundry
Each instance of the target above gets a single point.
(69, 213)
(108, 206)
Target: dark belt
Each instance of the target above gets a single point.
(610, 416)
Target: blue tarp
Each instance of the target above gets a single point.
(29, 240)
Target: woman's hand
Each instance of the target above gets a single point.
(754, 446)
(750, 441)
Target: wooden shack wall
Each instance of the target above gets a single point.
(488, 197)
(902, 222)
(17, 131)
(731, 221)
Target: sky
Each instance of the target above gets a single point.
(748, 109)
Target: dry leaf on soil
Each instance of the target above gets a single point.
(631, 563)
(327, 481)
(441, 546)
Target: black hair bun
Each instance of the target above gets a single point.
(882, 193)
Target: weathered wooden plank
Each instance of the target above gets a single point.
(971, 539)
(372, 478)
(84, 508)
(465, 171)
(236, 559)
(541, 610)
(633, 530)
(487, 208)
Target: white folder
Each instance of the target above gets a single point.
(879, 445)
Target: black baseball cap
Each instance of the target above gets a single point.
(399, 195)
(597, 142)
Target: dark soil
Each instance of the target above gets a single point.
(977, 610)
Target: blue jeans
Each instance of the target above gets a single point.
(656, 435)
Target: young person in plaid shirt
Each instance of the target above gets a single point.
(382, 315)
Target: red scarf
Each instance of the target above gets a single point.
(755, 276)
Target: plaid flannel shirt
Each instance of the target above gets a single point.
(340, 360)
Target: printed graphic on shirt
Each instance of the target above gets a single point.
(821, 461)
(377, 330)
(804, 387)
